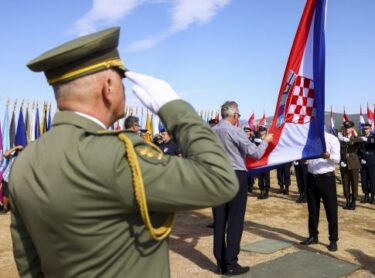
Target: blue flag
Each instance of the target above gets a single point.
(37, 124)
(21, 131)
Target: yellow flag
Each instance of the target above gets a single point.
(148, 135)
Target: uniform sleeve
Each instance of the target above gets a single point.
(25, 254)
(202, 177)
(248, 147)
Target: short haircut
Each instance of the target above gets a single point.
(228, 108)
(130, 121)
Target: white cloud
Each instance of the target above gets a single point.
(184, 13)
(144, 43)
(189, 12)
(104, 11)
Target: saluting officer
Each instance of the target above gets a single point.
(367, 157)
(349, 165)
(95, 203)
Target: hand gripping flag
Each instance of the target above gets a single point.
(298, 122)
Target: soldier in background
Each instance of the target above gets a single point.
(283, 177)
(300, 168)
(349, 164)
(264, 179)
(367, 159)
(169, 146)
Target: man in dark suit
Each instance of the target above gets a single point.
(367, 159)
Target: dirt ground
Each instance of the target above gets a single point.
(278, 217)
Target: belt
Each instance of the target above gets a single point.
(329, 174)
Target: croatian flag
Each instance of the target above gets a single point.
(298, 122)
(370, 118)
(251, 121)
(361, 118)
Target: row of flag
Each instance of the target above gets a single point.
(28, 126)
(345, 118)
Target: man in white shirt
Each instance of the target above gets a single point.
(321, 184)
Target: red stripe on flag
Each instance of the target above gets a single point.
(294, 63)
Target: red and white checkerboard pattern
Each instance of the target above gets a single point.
(301, 107)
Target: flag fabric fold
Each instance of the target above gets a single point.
(298, 122)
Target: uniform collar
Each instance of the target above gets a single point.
(73, 118)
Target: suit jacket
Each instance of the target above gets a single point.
(75, 214)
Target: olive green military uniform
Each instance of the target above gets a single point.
(349, 173)
(75, 212)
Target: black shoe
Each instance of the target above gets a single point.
(299, 200)
(236, 269)
(265, 196)
(310, 240)
(332, 246)
(211, 226)
(372, 199)
(304, 200)
(220, 269)
(347, 205)
(365, 199)
(261, 196)
(352, 205)
(281, 190)
(286, 191)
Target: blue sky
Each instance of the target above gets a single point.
(208, 50)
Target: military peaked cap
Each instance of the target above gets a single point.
(348, 124)
(82, 56)
(366, 125)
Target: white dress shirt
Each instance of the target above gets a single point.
(321, 165)
(95, 120)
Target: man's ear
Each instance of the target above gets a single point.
(107, 90)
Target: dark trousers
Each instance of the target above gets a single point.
(250, 183)
(283, 175)
(322, 187)
(301, 175)
(264, 181)
(368, 179)
(350, 182)
(229, 221)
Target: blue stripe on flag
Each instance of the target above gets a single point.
(315, 139)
